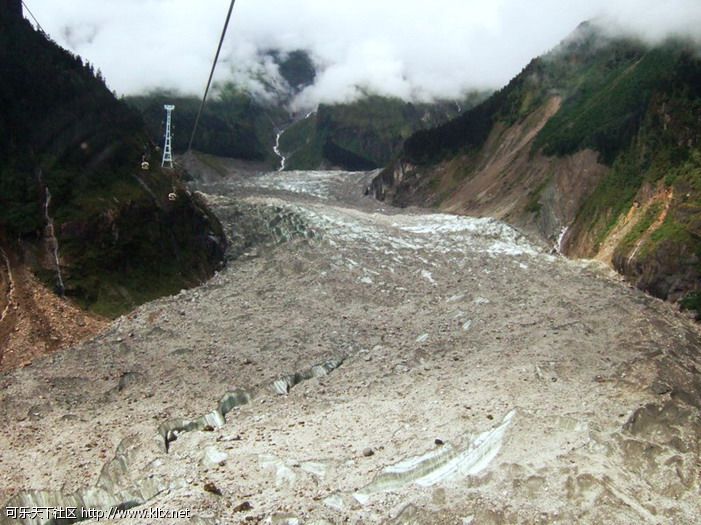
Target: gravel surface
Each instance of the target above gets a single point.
(383, 366)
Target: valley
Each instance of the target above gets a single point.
(379, 290)
(363, 364)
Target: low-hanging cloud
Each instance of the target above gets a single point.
(405, 48)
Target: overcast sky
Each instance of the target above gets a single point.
(407, 48)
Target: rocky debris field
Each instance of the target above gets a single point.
(355, 364)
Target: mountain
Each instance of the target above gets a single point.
(76, 207)
(364, 134)
(245, 119)
(238, 121)
(594, 146)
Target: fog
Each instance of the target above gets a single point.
(405, 48)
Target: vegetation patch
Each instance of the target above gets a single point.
(534, 205)
(642, 226)
(692, 302)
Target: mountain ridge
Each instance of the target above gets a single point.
(634, 107)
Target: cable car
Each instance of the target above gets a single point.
(144, 163)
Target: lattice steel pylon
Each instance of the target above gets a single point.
(168, 146)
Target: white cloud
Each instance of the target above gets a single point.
(406, 48)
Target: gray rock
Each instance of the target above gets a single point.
(660, 388)
(213, 457)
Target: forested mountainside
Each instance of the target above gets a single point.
(70, 164)
(594, 146)
(364, 134)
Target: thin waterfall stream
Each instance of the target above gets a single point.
(52, 241)
(277, 150)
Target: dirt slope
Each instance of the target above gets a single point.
(33, 320)
(382, 366)
(504, 180)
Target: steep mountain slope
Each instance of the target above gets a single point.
(365, 134)
(75, 205)
(594, 146)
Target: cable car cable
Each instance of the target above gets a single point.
(33, 17)
(211, 75)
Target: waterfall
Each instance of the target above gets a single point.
(561, 239)
(52, 241)
(276, 148)
(277, 151)
(10, 286)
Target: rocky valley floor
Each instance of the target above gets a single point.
(354, 364)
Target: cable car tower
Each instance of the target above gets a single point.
(168, 146)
